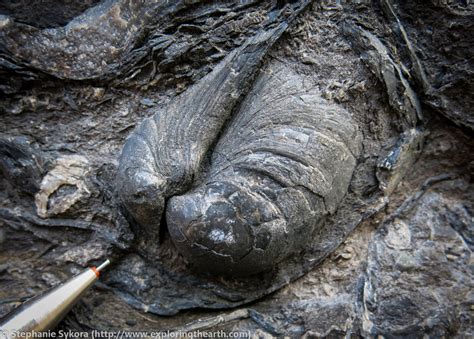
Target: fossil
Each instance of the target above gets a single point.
(283, 163)
(162, 156)
(69, 172)
(79, 77)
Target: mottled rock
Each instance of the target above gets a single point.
(401, 95)
(21, 163)
(392, 261)
(393, 167)
(418, 278)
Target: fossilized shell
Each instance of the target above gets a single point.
(283, 164)
(69, 171)
(162, 156)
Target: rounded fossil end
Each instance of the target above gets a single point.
(221, 229)
(141, 192)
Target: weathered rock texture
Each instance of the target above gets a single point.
(391, 253)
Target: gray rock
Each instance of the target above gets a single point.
(390, 257)
(418, 278)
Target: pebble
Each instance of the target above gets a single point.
(131, 322)
(346, 256)
(452, 257)
(308, 60)
(147, 102)
(98, 93)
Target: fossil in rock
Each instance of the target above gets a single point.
(164, 153)
(283, 164)
(68, 174)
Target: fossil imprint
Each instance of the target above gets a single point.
(282, 164)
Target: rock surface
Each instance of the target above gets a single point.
(397, 258)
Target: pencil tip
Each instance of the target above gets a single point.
(103, 265)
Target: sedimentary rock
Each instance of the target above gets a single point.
(77, 84)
